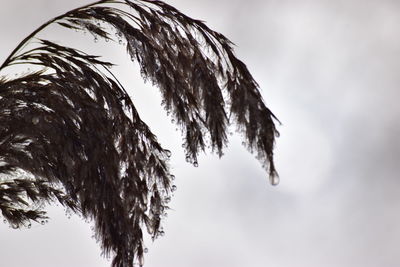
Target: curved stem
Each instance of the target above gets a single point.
(30, 36)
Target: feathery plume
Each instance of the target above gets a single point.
(70, 133)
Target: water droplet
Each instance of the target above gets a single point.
(162, 233)
(141, 261)
(35, 120)
(146, 250)
(172, 121)
(29, 226)
(96, 39)
(168, 153)
(196, 164)
(172, 177)
(14, 226)
(274, 180)
(42, 222)
(120, 41)
(187, 158)
(167, 199)
(107, 40)
(173, 188)
(4, 221)
(150, 230)
(144, 197)
(48, 118)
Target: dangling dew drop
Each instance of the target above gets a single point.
(96, 39)
(48, 118)
(92, 12)
(187, 158)
(141, 261)
(146, 250)
(173, 188)
(35, 120)
(150, 230)
(274, 180)
(196, 164)
(68, 213)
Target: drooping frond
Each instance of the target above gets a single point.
(17, 196)
(71, 124)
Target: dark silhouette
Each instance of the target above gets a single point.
(70, 133)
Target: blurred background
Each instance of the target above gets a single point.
(329, 72)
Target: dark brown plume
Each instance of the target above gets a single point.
(70, 133)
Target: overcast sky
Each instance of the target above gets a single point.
(329, 72)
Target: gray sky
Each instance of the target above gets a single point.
(329, 71)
